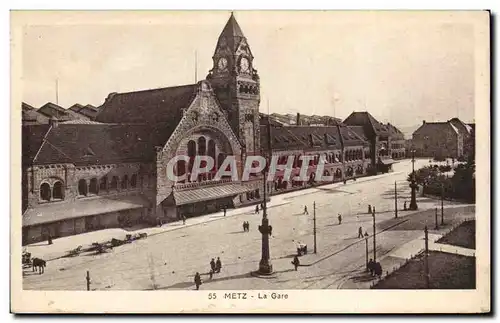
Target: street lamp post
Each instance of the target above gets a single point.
(436, 215)
(442, 206)
(265, 265)
(395, 200)
(374, 234)
(366, 246)
(413, 185)
(314, 229)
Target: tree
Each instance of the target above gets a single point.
(424, 175)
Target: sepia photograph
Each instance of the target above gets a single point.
(255, 161)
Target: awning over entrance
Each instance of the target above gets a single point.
(387, 161)
(52, 212)
(208, 193)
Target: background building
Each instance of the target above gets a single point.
(450, 139)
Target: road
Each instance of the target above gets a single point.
(169, 260)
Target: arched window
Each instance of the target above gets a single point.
(93, 186)
(180, 167)
(191, 153)
(114, 183)
(211, 151)
(125, 182)
(202, 146)
(133, 181)
(45, 192)
(82, 187)
(57, 191)
(103, 185)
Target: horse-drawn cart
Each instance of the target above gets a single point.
(101, 247)
(26, 259)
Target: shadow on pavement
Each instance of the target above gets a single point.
(207, 280)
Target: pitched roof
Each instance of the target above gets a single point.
(460, 125)
(53, 110)
(31, 116)
(368, 121)
(26, 107)
(88, 111)
(148, 106)
(395, 132)
(311, 137)
(32, 138)
(435, 127)
(360, 131)
(108, 143)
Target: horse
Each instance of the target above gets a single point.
(39, 265)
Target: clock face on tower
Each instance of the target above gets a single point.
(222, 64)
(244, 64)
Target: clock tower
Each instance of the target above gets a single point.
(236, 84)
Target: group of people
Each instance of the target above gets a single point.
(246, 226)
(215, 266)
(375, 268)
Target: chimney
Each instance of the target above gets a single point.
(53, 122)
(423, 122)
(298, 119)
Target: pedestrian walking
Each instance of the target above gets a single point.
(305, 210)
(257, 209)
(360, 232)
(369, 209)
(49, 239)
(212, 265)
(183, 219)
(340, 219)
(244, 226)
(404, 206)
(248, 227)
(197, 280)
(218, 265)
(270, 230)
(296, 262)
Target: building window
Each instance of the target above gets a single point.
(211, 150)
(133, 181)
(202, 146)
(191, 153)
(114, 183)
(125, 182)
(103, 185)
(82, 187)
(45, 192)
(93, 186)
(57, 191)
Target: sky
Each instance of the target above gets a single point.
(402, 68)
